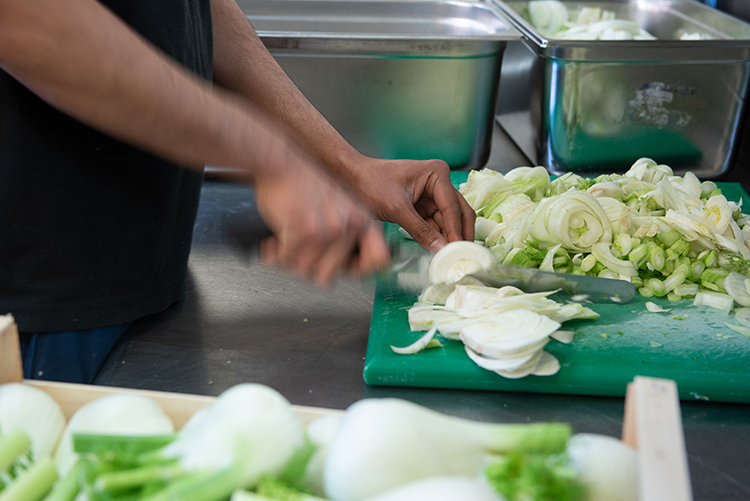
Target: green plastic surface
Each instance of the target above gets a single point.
(689, 344)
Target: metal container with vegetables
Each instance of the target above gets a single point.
(251, 444)
(398, 79)
(589, 93)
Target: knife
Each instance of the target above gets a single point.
(411, 263)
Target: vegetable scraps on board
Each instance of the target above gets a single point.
(670, 236)
(249, 445)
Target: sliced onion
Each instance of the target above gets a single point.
(417, 346)
(436, 293)
(715, 300)
(507, 333)
(525, 369)
(745, 331)
(735, 286)
(458, 259)
(603, 254)
(424, 317)
(548, 258)
(574, 219)
(655, 308)
(565, 337)
(548, 365)
(496, 364)
(483, 227)
(742, 315)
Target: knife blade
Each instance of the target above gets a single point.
(410, 264)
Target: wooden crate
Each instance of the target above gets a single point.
(652, 423)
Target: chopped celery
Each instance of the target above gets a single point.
(686, 290)
(713, 275)
(68, 487)
(588, 262)
(607, 273)
(638, 253)
(12, 445)
(696, 269)
(675, 279)
(32, 484)
(680, 247)
(661, 231)
(656, 286)
(656, 258)
(668, 238)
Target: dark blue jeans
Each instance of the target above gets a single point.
(70, 357)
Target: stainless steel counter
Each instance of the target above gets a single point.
(241, 322)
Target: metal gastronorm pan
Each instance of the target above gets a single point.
(398, 79)
(597, 106)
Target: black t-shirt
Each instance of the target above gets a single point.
(94, 232)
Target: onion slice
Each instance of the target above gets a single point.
(715, 300)
(496, 364)
(742, 315)
(506, 333)
(458, 259)
(565, 337)
(525, 369)
(745, 331)
(419, 345)
(735, 285)
(548, 365)
(655, 308)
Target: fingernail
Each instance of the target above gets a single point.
(436, 245)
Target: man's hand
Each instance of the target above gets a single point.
(418, 196)
(318, 229)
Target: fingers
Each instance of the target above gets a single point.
(422, 230)
(358, 254)
(468, 218)
(327, 235)
(456, 214)
(373, 251)
(336, 257)
(439, 204)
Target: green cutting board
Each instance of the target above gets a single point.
(689, 344)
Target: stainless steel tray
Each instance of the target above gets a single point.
(597, 106)
(398, 79)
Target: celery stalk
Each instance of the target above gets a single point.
(12, 445)
(68, 488)
(127, 479)
(656, 258)
(119, 444)
(33, 484)
(201, 486)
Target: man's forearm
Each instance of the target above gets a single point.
(82, 59)
(243, 65)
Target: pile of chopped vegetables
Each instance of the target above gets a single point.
(250, 446)
(672, 236)
(553, 19)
